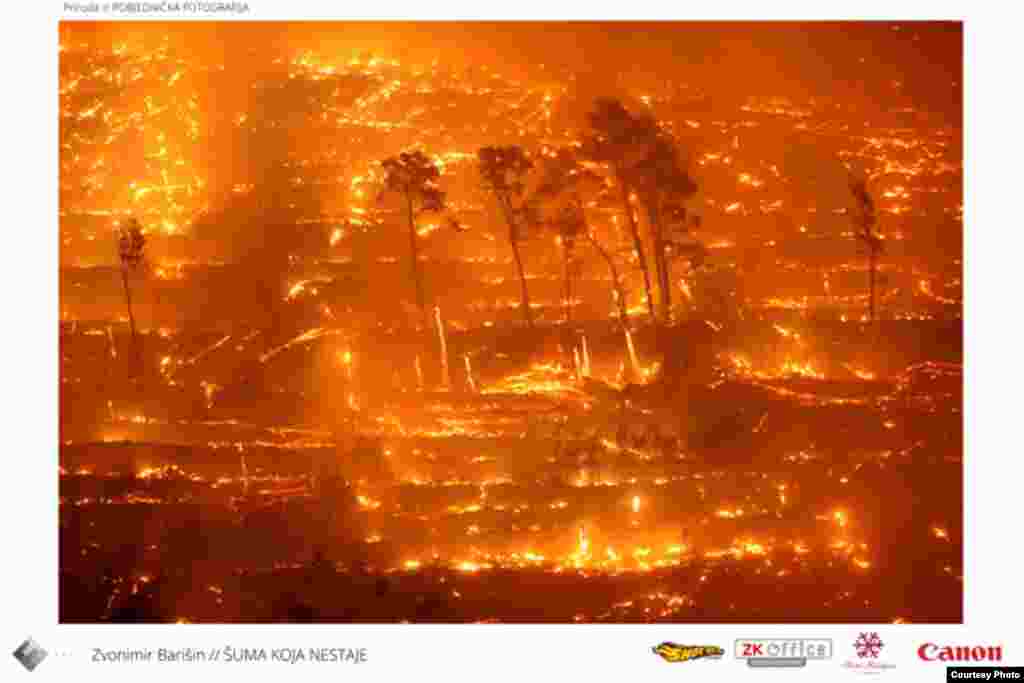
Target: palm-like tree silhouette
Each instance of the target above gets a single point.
(564, 181)
(647, 168)
(620, 140)
(503, 172)
(415, 177)
(663, 184)
(131, 246)
(865, 219)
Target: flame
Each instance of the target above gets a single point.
(542, 378)
(367, 503)
(446, 377)
(419, 373)
(586, 357)
(800, 369)
(469, 373)
(754, 548)
(865, 375)
(684, 287)
(633, 360)
(296, 289)
(748, 179)
(583, 543)
(787, 333)
(427, 229)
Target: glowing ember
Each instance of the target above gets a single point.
(446, 378)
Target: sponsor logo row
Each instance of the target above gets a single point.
(863, 654)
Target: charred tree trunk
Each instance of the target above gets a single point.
(616, 282)
(566, 284)
(414, 256)
(620, 301)
(873, 265)
(513, 239)
(638, 247)
(524, 293)
(661, 264)
(131, 317)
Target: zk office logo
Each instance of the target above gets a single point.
(783, 652)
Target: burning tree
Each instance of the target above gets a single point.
(620, 140)
(685, 248)
(415, 177)
(570, 225)
(617, 292)
(503, 172)
(131, 245)
(663, 184)
(865, 219)
(564, 180)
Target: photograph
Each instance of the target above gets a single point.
(511, 322)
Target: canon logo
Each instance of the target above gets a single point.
(930, 652)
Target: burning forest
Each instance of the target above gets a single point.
(386, 323)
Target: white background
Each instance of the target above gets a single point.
(994, 258)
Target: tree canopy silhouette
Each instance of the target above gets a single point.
(647, 170)
(416, 178)
(503, 172)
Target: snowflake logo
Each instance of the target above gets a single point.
(868, 645)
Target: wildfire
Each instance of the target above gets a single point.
(638, 459)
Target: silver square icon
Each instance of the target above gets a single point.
(30, 653)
